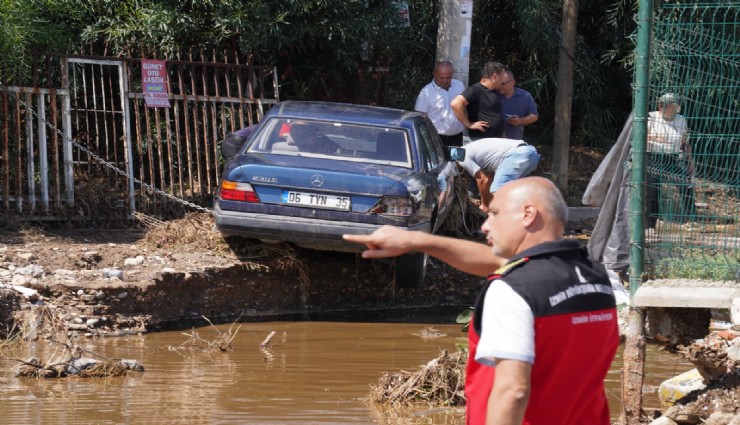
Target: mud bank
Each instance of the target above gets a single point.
(101, 283)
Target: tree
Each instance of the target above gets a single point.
(347, 50)
(564, 97)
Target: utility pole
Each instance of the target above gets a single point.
(564, 95)
(453, 35)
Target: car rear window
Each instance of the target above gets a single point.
(350, 142)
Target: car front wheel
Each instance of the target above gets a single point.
(410, 270)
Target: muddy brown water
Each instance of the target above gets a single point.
(315, 373)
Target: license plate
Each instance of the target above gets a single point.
(316, 200)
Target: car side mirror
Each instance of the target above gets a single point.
(456, 153)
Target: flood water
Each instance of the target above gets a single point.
(315, 373)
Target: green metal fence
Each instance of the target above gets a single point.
(692, 196)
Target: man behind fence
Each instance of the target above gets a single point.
(670, 164)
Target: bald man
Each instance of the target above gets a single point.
(434, 100)
(556, 374)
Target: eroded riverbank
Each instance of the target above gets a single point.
(103, 282)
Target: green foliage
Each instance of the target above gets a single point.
(27, 26)
(701, 264)
(141, 28)
(348, 50)
(464, 318)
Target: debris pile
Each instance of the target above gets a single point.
(73, 364)
(440, 382)
(717, 358)
(716, 354)
(718, 403)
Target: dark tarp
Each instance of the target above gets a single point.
(609, 189)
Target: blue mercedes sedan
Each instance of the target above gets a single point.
(314, 171)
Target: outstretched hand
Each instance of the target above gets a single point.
(388, 241)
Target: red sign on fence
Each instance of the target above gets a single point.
(154, 83)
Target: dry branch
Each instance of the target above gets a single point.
(221, 343)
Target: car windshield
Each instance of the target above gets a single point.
(325, 139)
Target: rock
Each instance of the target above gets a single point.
(131, 365)
(677, 387)
(719, 418)
(663, 420)
(135, 261)
(169, 270)
(33, 270)
(20, 280)
(100, 295)
(122, 295)
(92, 322)
(735, 311)
(110, 273)
(30, 294)
(91, 257)
(87, 298)
(25, 257)
(688, 419)
(78, 365)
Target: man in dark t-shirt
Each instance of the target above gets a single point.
(478, 108)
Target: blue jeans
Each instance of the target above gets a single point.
(520, 162)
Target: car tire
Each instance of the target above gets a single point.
(410, 270)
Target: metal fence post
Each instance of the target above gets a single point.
(69, 187)
(123, 82)
(634, 349)
(43, 151)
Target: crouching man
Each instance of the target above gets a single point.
(493, 162)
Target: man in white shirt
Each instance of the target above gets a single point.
(434, 100)
(670, 163)
(667, 130)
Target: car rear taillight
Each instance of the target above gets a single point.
(393, 206)
(234, 191)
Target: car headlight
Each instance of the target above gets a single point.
(235, 191)
(394, 206)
